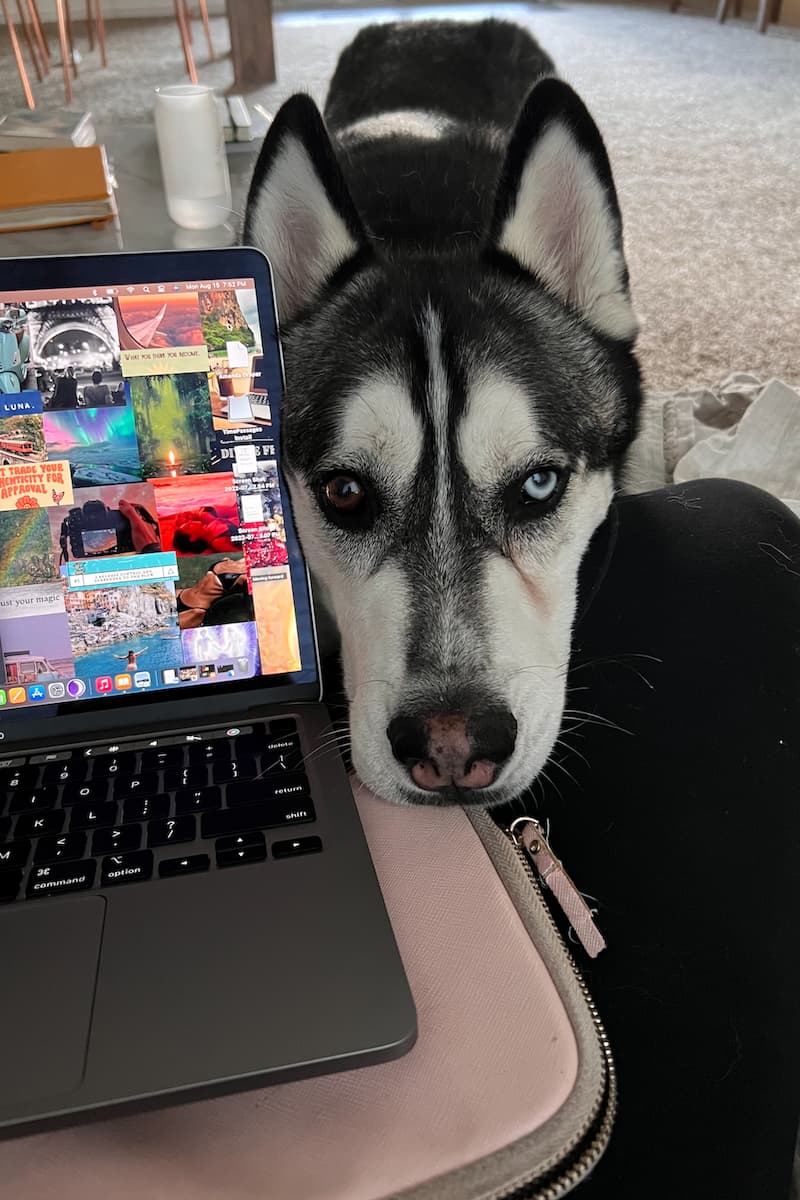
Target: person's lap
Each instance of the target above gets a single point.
(673, 802)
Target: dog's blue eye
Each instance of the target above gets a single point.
(540, 486)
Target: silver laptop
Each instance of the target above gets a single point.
(187, 902)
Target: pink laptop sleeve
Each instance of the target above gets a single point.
(508, 1093)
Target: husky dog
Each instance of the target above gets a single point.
(461, 388)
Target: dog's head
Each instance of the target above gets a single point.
(452, 432)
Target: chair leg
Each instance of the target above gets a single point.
(38, 33)
(776, 11)
(33, 49)
(72, 58)
(90, 23)
(762, 19)
(20, 61)
(722, 10)
(187, 14)
(101, 31)
(207, 28)
(180, 14)
(65, 50)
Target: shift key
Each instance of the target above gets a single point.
(263, 814)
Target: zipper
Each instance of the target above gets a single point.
(528, 834)
(591, 1141)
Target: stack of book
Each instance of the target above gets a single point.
(35, 129)
(63, 186)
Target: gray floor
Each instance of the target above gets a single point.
(702, 123)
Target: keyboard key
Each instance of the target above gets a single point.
(306, 845)
(240, 841)
(247, 791)
(171, 867)
(190, 800)
(185, 777)
(287, 786)
(165, 756)
(209, 751)
(9, 885)
(145, 784)
(73, 771)
(265, 814)
(126, 868)
(38, 824)
(282, 754)
(239, 768)
(39, 800)
(61, 877)
(60, 849)
(94, 816)
(5, 828)
(280, 744)
(237, 856)
(14, 854)
(107, 765)
(166, 833)
(53, 756)
(145, 808)
(85, 793)
(21, 776)
(117, 840)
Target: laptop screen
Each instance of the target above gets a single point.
(145, 543)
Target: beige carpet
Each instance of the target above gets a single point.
(703, 127)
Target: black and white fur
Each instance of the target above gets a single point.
(456, 314)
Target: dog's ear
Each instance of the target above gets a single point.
(556, 210)
(299, 211)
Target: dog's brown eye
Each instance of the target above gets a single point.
(345, 493)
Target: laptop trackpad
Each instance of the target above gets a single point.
(49, 955)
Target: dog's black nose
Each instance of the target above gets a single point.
(453, 749)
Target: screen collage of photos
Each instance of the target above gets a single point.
(142, 541)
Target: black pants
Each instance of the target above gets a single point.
(686, 829)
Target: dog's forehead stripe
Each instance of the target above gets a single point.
(438, 396)
(446, 631)
(403, 122)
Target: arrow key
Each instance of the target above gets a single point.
(183, 866)
(241, 848)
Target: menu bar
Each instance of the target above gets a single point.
(126, 289)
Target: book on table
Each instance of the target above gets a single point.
(35, 129)
(59, 186)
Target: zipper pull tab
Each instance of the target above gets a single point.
(528, 833)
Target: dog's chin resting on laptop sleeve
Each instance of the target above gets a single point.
(461, 388)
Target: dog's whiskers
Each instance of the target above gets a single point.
(538, 667)
(564, 744)
(589, 718)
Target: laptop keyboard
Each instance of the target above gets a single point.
(105, 816)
